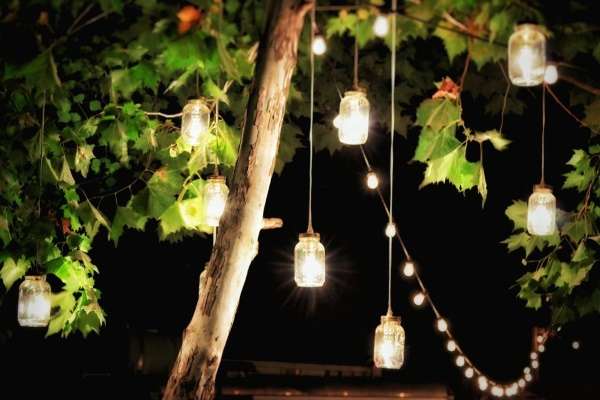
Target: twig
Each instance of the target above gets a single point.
(455, 22)
(79, 18)
(581, 85)
(91, 21)
(560, 103)
(505, 97)
(163, 115)
(464, 73)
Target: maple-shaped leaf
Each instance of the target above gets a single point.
(454, 168)
(13, 270)
(125, 217)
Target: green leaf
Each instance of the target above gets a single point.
(500, 26)
(186, 214)
(482, 185)
(126, 217)
(13, 270)
(572, 275)
(433, 145)
(95, 105)
(455, 43)
(454, 168)
(482, 52)
(4, 231)
(65, 173)
(577, 229)
(517, 213)
(146, 74)
(592, 116)
(62, 304)
(498, 141)
(438, 113)
(41, 73)
(83, 156)
(160, 193)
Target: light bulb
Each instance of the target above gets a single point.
(533, 356)
(551, 75)
(535, 364)
(526, 370)
(497, 391)
(409, 269)
(451, 345)
(390, 230)
(353, 119)
(381, 26)
(195, 121)
(442, 325)
(33, 307)
(469, 372)
(541, 211)
(372, 180)
(460, 361)
(319, 46)
(482, 382)
(528, 377)
(215, 194)
(541, 348)
(540, 338)
(575, 345)
(521, 383)
(418, 299)
(309, 261)
(388, 351)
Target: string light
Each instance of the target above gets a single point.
(535, 364)
(460, 361)
(451, 345)
(195, 121)
(521, 383)
(575, 345)
(527, 56)
(528, 377)
(533, 355)
(418, 299)
(319, 45)
(409, 269)
(372, 180)
(540, 338)
(390, 230)
(381, 26)
(442, 325)
(33, 309)
(526, 370)
(541, 348)
(551, 75)
(215, 194)
(497, 391)
(482, 382)
(469, 372)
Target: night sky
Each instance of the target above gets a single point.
(149, 286)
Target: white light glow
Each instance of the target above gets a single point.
(319, 46)
(521, 383)
(381, 26)
(535, 364)
(309, 261)
(482, 382)
(541, 348)
(460, 361)
(498, 391)
(215, 198)
(352, 121)
(442, 325)
(372, 180)
(195, 121)
(390, 230)
(551, 75)
(418, 299)
(451, 345)
(409, 269)
(388, 351)
(575, 345)
(541, 212)
(33, 309)
(469, 372)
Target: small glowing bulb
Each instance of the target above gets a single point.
(497, 391)
(533, 355)
(482, 382)
(469, 372)
(521, 383)
(409, 269)
(526, 370)
(390, 230)
(381, 26)
(551, 74)
(319, 46)
(451, 345)
(460, 361)
(442, 325)
(528, 377)
(418, 299)
(540, 339)
(535, 364)
(372, 180)
(541, 348)
(575, 345)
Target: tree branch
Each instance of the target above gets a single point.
(272, 223)
(581, 85)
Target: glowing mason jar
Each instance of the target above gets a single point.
(215, 198)
(388, 349)
(195, 121)
(353, 119)
(541, 211)
(309, 261)
(527, 56)
(34, 302)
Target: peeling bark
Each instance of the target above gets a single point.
(193, 374)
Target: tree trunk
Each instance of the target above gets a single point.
(194, 372)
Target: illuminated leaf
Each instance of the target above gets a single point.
(13, 270)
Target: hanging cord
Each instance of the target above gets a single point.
(356, 52)
(216, 171)
(393, 121)
(543, 180)
(39, 203)
(310, 130)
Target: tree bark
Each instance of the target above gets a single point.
(193, 374)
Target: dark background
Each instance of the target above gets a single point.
(150, 288)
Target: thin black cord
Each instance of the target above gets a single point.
(310, 131)
(393, 121)
(543, 180)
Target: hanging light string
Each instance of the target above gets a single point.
(392, 125)
(39, 202)
(356, 53)
(311, 56)
(543, 178)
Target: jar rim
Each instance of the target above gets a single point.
(197, 102)
(216, 178)
(355, 92)
(531, 26)
(542, 188)
(309, 235)
(390, 318)
(35, 277)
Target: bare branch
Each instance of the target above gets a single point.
(272, 223)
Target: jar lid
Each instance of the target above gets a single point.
(390, 318)
(35, 277)
(309, 235)
(529, 26)
(216, 178)
(542, 187)
(356, 92)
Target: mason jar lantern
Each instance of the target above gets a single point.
(33, 308)
(353, 120)
(195, 121)
(388, 349)
(309, 261)
(541, 211)
(527, 55)
(215, 197)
